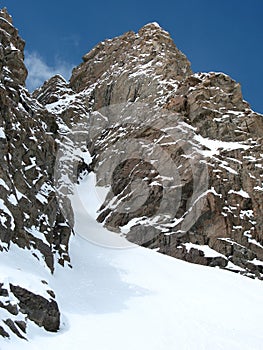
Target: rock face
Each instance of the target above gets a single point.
(13, 70)
(123, 69)
(43, 312)
(29, 208)
(22, 305)
(181, 154)
(30, 216)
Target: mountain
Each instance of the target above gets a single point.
(134, 149)
(180, 152)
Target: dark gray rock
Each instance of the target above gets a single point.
(3, 333)
(13, 328)
(40, 310)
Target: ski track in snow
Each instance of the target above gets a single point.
(135, 298)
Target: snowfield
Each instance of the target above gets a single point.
(129, 297)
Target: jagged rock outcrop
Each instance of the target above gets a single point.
(29, 207)
(38, 309)
(52, 91)
(30, 216)
(22, 305)
(13, 70)
(181, 154)
(127, 68)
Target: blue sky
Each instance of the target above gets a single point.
(225, 35)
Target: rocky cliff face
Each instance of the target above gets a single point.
(180, 154)
(30, 216)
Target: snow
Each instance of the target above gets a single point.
(232, 171)
(232, 266)
(41, 198)
(19, 195)
(144, 69)
(84, 155)
(91, 197)
(87, 199)
(216, 145)
(249, 213)
(135, 298)
(2, 133)
(155, 24)
(209, 252)
(12, 199)
(61, 105)
(13, 48)
(44, 192)
(126, 228)
(12, 274)
(257, 262)
(4, 208)
(241, 193)
(2, 183)
(33, 163)
(36, 233)
(253, 241)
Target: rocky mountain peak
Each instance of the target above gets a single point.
(52, 90)
(4, 14)
(152, 26)
(12, 69)
(130, 66)
(212, 125)
(154, 33)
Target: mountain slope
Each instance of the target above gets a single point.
(177, 159)
(137, 298)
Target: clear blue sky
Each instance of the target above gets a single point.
(223, 35)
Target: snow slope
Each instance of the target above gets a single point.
(129, 297)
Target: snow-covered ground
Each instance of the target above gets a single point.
(124, 297)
